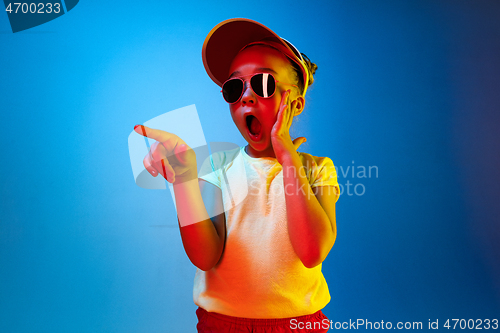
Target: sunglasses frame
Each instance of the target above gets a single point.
(249, 80)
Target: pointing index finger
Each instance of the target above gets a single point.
(151, 133)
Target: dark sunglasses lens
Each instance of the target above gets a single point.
(232, 89)
(263, 84)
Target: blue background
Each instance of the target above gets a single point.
(411, 87)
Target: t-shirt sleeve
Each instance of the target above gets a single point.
(208, 172)
(324, 174)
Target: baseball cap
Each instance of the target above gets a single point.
(229, 37)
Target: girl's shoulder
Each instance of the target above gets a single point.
(223, 157)
(220, 157)
(311, 161)
(319, 170)
(216, 163)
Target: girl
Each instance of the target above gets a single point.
(259, 220)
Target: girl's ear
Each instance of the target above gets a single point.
(299, 105)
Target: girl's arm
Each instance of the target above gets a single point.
(203, 237)
(310, 214)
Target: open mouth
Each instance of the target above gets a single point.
(254, 127)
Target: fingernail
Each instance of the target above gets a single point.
(135, 127)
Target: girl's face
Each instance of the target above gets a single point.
(253, 115)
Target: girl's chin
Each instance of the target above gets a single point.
(261, 148)
(260, 142)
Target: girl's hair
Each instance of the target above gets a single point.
(310, 67)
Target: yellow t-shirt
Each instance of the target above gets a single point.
(259, 274)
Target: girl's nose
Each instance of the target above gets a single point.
(248, 96)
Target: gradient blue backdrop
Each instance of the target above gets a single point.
(411, 87)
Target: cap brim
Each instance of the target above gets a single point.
(224, 42)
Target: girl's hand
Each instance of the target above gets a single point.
(169, 156)
(280, 134)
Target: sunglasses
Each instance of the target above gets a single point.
(262, 84)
